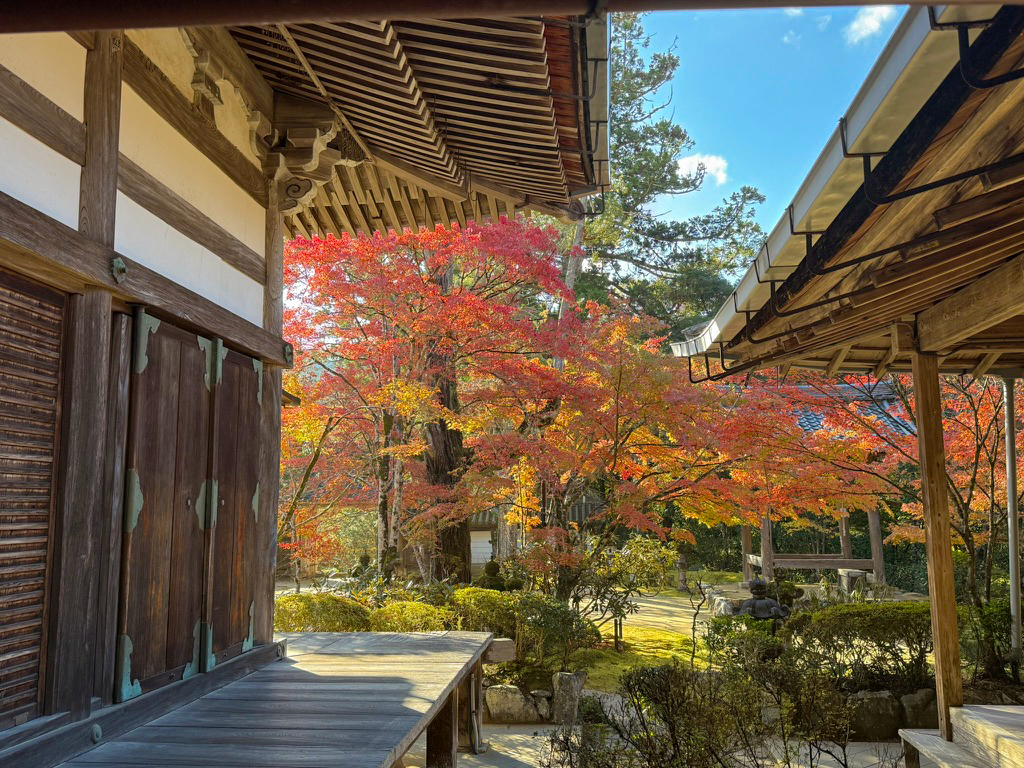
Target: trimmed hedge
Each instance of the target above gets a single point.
(487, 610)
(407, 616)
(312, 612)
(870, 646)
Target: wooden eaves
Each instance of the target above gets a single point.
(949, 269)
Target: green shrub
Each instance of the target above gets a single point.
(312, 612)
(738, 636)
(869, 646)
(407, 616)
(486, 610)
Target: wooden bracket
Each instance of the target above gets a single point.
(135, 501)
(144, 326)
(127, 688)
(257, 365)
(248, 642)
(192, 667)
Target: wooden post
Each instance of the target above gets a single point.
(845, 544)
(938, 544)
(747, 547)
(443, 735)
(78, 550)
(767, 551)
(270, 426)
(81, 543)
(1012, 514)
(875, 529)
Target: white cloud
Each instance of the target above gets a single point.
(791, 38)
(793, 11)
(715, 167)
(823, 22)
(867, 23)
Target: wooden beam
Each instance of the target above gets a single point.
(877, 553)
(168, 206)
(40, 118)
(986, 363)
(270, 429)
(428, 181)
(938, 544)
(113, 491)
(238, 69)
(845, 543)
(60, 254)
(81, 543)
(837, 360)
(981, 205)
(823, 562)
(767, 555)
(747, 548)
(443, 736)
(78, 549)
(153, 86)
(988, 301)
(900, 340)
(98, 197)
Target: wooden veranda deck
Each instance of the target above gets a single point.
(354, 700)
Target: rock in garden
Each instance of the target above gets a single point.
(920, 709)
(507, 704)
(567, 687)
(875, 716)
(543, 704)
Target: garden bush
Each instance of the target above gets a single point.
(320, 612)
(486, 610)
(869, 646)
(407, 616)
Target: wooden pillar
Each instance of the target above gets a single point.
(81, 544)
(747, 547)
(845, 544)
(443, 735)
(1012, 513)
(270, 426)
(938, 544)
(877, 559)
(767, 550)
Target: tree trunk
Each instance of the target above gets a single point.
(385, 555)
(444, 461)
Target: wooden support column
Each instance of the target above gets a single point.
(845, 544)
(767, 549)
(747, 547)
(938, 544)
(81, 545)
(270, 425)
(1012, 513)
(443, 735)
(875, 530)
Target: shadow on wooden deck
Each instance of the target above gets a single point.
(352, 700)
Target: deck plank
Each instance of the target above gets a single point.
(357, 700)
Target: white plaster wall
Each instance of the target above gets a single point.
(480, 546)
(35, 174)
(152, 242)
(52, 63)
(166, 48)
(158, 148)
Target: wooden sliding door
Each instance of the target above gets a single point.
(236, 463)
(166, 499)
(191, 506)
(31, 330)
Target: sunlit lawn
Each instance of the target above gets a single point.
(643, 646)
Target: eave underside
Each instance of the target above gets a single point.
(863, 318)
(459, 120)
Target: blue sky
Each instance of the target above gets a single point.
(761, 91)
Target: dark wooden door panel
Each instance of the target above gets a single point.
(165, 501)
(31, 335)
(236, 457)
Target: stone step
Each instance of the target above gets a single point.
(995, 732)
(930, 747)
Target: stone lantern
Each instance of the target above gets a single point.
(762, 607)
